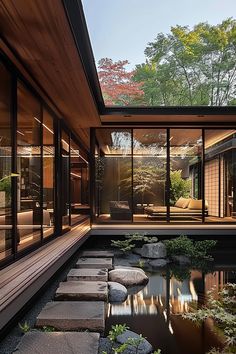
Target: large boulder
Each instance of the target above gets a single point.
(144, 346)
(158, 263)
(154, 250)
(117, 292)
(105, 345)
(128, 276)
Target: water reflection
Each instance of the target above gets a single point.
(155, 311)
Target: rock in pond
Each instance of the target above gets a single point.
(154, 250)
(144, 347)
(158, 263)
(116, 292)
(128, 276)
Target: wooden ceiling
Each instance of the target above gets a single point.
(39, 33)
(40, 36)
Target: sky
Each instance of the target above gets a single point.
(121, 29)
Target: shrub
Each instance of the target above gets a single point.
(223, 312)
(185, 246)
(131, 241)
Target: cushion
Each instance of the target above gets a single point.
(182, 202)
(197, 204)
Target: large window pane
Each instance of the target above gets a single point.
(113, 175)
(78, 184)
(29, 210)
(149, 174)
(185, 175)
(220, 174)
(5, 164)
(48, 174)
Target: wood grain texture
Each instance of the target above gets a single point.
(39, 33)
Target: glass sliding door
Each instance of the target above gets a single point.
(185, 175)
(5, 164)
(29, 208)
(78, 184)
(48, 174)
(65, 179)
(220, 175)
(113, 175)
(149, 174)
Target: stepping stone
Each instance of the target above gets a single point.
(97, 254)
(82, 290)
(88, 274)
(73, 315)
(58, 342)
(94, 263)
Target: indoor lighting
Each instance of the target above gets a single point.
(20, 132)
(75, 174)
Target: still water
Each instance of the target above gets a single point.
(155, 311)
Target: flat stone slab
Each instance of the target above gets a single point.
(73, 315)
(97, 253)
(82, 290)
(94, 263)
(58, 342)
(88, 274)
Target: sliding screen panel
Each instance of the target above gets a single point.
(149, 174)
(220, 175)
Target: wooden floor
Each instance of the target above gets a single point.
(142, 218)
(22, 279)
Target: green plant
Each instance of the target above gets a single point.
(133, 343)
(131, 241)
(25, 327)
(222, 310)
(48, 329)
(183, 245)
(116, 330)
(179, 187)
(5, 186)
(141, 263)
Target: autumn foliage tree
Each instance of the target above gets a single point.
(117, 84)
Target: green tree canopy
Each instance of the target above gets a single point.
(190, 66)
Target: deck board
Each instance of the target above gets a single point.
(22, 279)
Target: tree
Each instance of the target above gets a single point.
(117, 84)
(190, 66)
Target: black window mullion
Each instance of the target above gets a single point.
(132, 173)
(41, 170)
(14, 163)
(168, 185)
(203, 175)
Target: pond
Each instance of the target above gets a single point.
(155, 311)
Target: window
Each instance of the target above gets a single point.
(48, 173)
(29, 207)
(5, 164)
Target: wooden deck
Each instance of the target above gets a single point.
(24, 278)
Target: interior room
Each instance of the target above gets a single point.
(160, 175)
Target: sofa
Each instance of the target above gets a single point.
(184, 207)
(120, 210)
